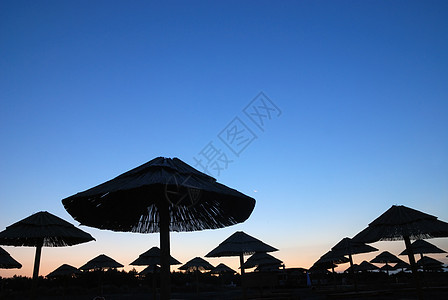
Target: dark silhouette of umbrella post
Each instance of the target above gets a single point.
(403, 223)
(161, 195)
(39, 230)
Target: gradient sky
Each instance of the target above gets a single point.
(91, 89)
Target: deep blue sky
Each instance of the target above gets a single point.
(91, 89)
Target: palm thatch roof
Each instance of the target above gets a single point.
(402, 265)
(385, 257)
(222, 268)
(152, 257)
(197, 263)
(331, 258)
(240, 243)
(349, 247)
(101, 262)
(366, 266)
(43, 228)
(150, 269)
(64, 270)
(423, 247)
(7, 262)
(400, 221)
(427, 261)
(131, 201)
(261, 259)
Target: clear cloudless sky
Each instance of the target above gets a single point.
(91, 89)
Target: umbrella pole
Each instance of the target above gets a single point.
(407, 242)
(352, 270)
(164, 219)
(242, 275)
(36, 269)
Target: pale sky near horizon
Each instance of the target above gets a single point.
(358, 122)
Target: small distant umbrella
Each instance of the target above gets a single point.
(39, 230)
(402, 265)
(423, 247)
(152, 257)
(64, 270)
(349, 247)
(222, 269)
(261, 259)
(196, 264)
(366, 266)
(101, 262)
(386, 257)
(240, 244)
(352, 268)
(161, 195)
(7, 262)
(430, 263)
(403, 223)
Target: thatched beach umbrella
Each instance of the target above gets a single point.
(64, 270)
(349, 247)
(101, 262)
(366, 266)
(161, 195)
(196, 264)
(222, 269)
(423, 247)
(42, 229)
(240, 244)
(402, 265)
(7, 262)
(404, 223)
(152, 257)
(430, 263)
(261, 259)
(385, 257)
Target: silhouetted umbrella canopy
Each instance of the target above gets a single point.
(161, 195)
(261, 259)
(385, 257)
(423, 247)
(131, 201)
(150, 269)
(400, 221)
(331, 258)
(222, 268)
(240, 243)
(64, 270)
(387, 268)
(427, 261)
(366, 266)
(402, 265)
(152, 257)
(196, 263)
(348, 247)
(7, 262)
(101, 262)
(42, 229)
(353, 268)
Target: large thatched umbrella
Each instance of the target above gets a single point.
(366, 266)
(349, 247)
(423, 247)
(152, 258)
(196, 264)
(7, 262)
(161, 195)
(386, 257)
(404, 223)
(42, 229)
(430, 263)
(222, 269)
